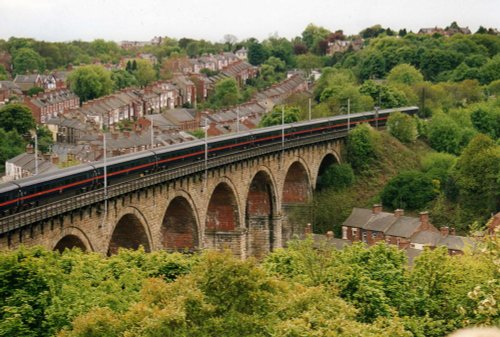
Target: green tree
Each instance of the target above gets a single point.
(490, 71)
(384, 96)
(122, 79)
(45, 139)
(90, 82)
(336, 176)
(438, 165)
(361, 147)
(11, 145)
(144, 72)
(444, 134)
(309, 62)
(409, 190)
(257, 53)
(25, 60)
(403, 127)
(313, 35)
(17, 117)
(372, 66)
(478, 175)
(275, 117)
(405, 74)
(487, 120)
(226, 93)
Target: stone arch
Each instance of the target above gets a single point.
(297, 183)
(223, 209)
(179, 228)
(130, 232)
(73, 237)
(329, 159)
(295, 200)
(260, 214)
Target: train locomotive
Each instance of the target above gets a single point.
(19, 195)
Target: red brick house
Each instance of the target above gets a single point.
(47, 105)
(372, 226)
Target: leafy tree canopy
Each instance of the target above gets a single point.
(90, 82)
(16, 117)
(409, 190)
(275, 117)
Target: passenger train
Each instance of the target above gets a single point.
(19, 195)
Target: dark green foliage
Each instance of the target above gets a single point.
(438, 166)
(90, 82)
(444, 134)
(336, 176)
(360, 147)
(477, 173)
(26, 60)
(11, 145)
(198, 133)
(275, 117)
(487, 120)
(384, 96)
(257, 53)
(45, 140)
(16, 117)
(34, 91)
(123, 79)
(226, 93)
(411, 190)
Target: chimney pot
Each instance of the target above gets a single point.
(377, 208)
(424, 217)
(444, 231)
(399, 212)
(452, 231)
(329, 235)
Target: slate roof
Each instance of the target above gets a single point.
(428, 238)
(27, 162)
(404, 227)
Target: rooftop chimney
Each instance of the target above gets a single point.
(377, 208)
(452, 231)
(30, 149)
(444, 231)
(329, 235)
(399, 212)
(54, 158)
(424, 218)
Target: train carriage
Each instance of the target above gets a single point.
(65, 183)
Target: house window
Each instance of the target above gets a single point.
(398, 241)
(354, 231)
(374, 235)
(364, 234)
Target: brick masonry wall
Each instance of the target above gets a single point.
(141, 217)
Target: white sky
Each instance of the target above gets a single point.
(63, 20)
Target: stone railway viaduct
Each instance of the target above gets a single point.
(244, 205)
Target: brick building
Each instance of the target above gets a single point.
(46, 105)
(372, 226)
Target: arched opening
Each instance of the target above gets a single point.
(259, 215)
(222, 221)
(222, 213)
(129, 233)
(296, 201)
(70, 242)
(328, 161)
(179, 229)
(296, 188)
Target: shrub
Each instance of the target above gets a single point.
(403, 127)
(337, 176)
(409, 190)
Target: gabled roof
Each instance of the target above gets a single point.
(404, 227)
